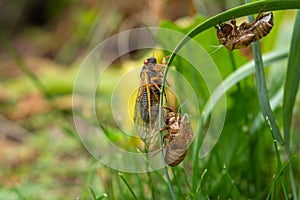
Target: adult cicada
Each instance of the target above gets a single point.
(179, 136)
(236, 37)
(147, 102)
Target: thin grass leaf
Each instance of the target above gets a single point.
(231, 181)
(279, 175)
(196, 150)
(229, 82)
(290, 91)
(22, 65)
(235, 77)
(282, 178)
(19, 193)
(234, 67)
(191, 192)
(275, 102)
(128, 186)
(161, 138)
(155, 171)
(103, 196)
(263, 94)
(99, 197)
(93, 193)
(265, 105)
(292, 79)
(151, 185)
(177, 182)
(201, 181)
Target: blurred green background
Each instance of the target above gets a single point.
(42, 44)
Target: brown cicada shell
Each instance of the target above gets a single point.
(179, 136)
(237, 37)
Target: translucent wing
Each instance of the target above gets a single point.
(186, 129)
(146, 129)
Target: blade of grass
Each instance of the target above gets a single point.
(229, 82)
(231, 181)
(155, 171)
(265, 104)
(161, 135)
(191, 192)
(22, 65)
(238, 75)
(234, 67)
(281, 172)
(196, 150)
(177, 180)
(128, 186)
(201, 181)
(290, 91)
(275, 102)
(282, 178)
(263, 94)
(99, 197)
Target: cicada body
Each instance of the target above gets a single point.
(236, 37)
(180, 134)
(147, 101)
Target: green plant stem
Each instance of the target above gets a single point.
(128, 186)
(161, 135)
(263, 94)
(265, 105)
(166, 170)
(196, 150)
(290, 91)
(283, 181)
(22, 65)
(233, 64)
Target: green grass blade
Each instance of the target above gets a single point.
(191, 192)
(290, 91)
(279, 175)
(201, 181)
(240, 74)
(292, 80)
(99, 197)
(128, 186)
(239, 11)
(275, 102)
(229, 82)
(265, 105)
(22, 65)
(263, 94)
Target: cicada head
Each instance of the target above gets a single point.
(223, 31)
(151, 60)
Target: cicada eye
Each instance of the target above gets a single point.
(146, 62)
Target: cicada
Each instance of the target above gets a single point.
(179, 136)
(147, 101)
(236, 37)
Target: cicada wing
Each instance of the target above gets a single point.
(186, 128)
(147, 130)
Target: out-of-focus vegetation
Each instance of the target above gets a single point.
(42, 44)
